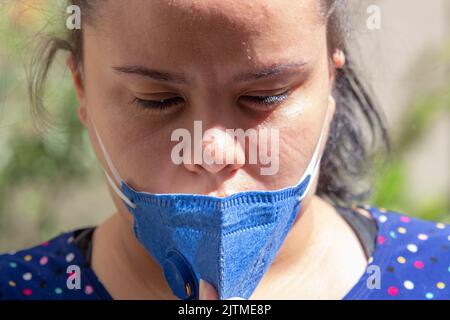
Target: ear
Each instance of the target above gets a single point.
(339, 58)
(337, 61)
(78, 84)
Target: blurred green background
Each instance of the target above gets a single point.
(50, 181)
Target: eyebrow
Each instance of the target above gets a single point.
(154, 74)
(272, 70)
(179, 78)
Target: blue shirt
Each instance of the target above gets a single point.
(411, 261)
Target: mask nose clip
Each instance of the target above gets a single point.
(180, 276)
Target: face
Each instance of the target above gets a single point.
(217, 62)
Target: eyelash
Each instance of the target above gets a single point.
(158, 105)
(162, 105)
(268, 102)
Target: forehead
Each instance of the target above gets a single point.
(181, 32)
(248, 16)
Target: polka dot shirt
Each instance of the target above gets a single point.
(411, 261)
(53, 270)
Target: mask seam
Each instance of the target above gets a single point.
(216, 235)
(298, 190)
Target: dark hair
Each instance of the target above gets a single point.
(348, 161)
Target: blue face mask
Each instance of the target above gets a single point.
(229, 242)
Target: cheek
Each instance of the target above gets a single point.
(299, 140)
(140, 153)
(146, 155)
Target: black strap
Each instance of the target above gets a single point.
(365, 228)
(83, 240)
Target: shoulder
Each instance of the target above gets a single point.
(405, 228)
(42, 271)
(413, 256)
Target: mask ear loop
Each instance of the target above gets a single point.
(315, 162)
(113, 170)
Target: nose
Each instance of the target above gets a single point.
(220, 152)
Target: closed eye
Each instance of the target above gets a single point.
(164, 105)
(266, 102)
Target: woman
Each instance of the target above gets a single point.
(216, 227)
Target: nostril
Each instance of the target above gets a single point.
(233, 172)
